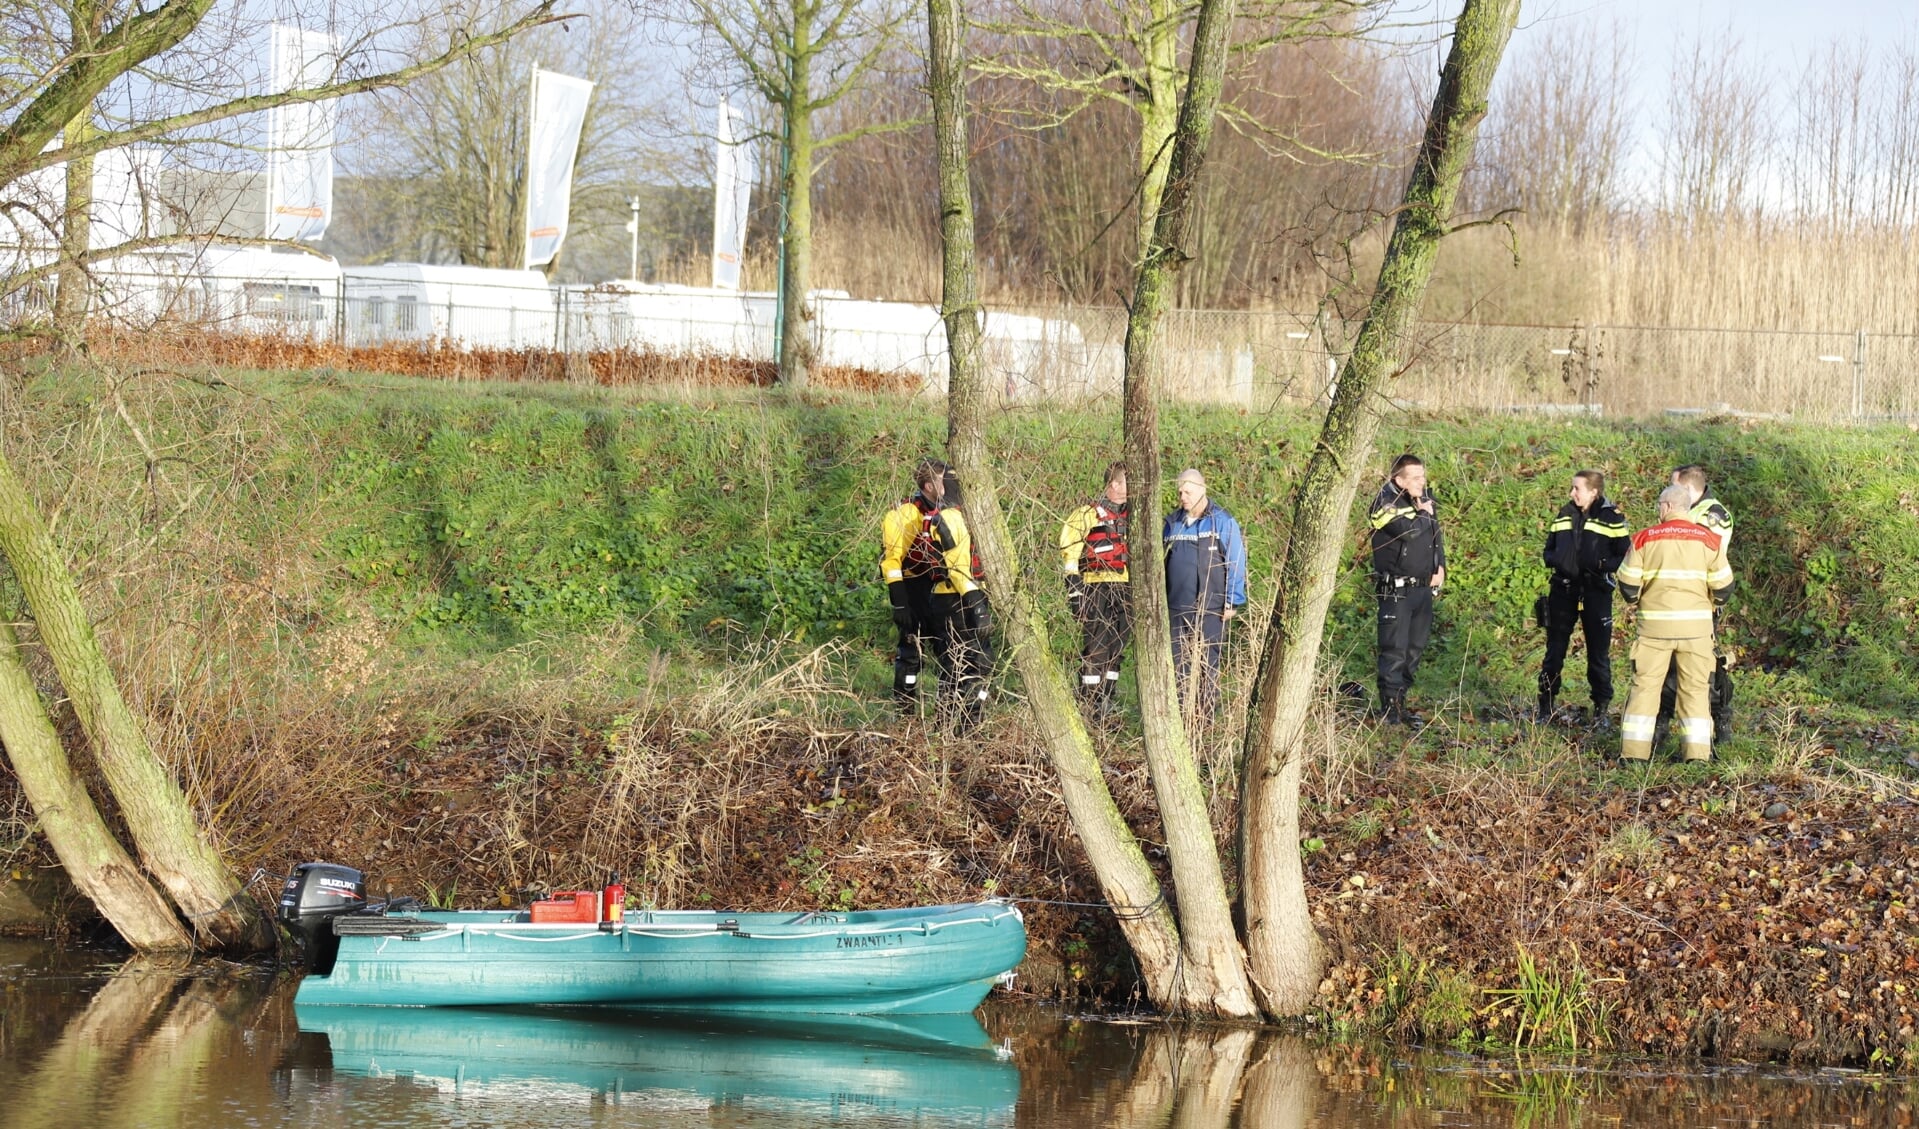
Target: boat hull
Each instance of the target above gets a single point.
(907, 961)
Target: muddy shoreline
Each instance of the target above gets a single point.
(1767, 919)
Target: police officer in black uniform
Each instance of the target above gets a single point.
(1409, 566)
(1584, 547)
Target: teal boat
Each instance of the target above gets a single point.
(922, 1070)
(923, 960)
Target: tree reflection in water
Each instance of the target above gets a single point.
(148, 1046)
(1148, 1075)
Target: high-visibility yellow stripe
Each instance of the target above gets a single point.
(1562, 525)
(1637, 727)
(1609, 530)
(1382, 518)
(1695, 730)
(1719, 577)
(1702, 613)
(1675, 573)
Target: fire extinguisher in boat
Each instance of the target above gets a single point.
(612, 904)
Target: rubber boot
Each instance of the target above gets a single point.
(1392, 709)
(1543, 713)
(906, 689)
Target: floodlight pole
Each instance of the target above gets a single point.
(633, 229)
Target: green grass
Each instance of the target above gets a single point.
(568, 527)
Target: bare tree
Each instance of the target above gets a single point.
(1557, 146)
(804, 57)
(447, 155)
(173, 75)
(1082, 54)
(1717, 135)
(1287, 955)
(1830, 165)
(163, 73)
(1895, 137)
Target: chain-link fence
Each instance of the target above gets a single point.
(1068, 353)
(1258, 358)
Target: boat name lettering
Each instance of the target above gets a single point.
(875, 941)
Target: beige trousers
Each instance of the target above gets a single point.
(1692, 714)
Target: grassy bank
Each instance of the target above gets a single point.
(484, 638)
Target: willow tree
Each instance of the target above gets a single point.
(805, 58)
(1079, 54)
(1287, 955)
(160, 61)
(96, 862)
(1195, 960)
(1205, 912)
(1190, 958)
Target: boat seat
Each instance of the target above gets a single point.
(352, 925)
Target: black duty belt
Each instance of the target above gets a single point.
(1403, 582)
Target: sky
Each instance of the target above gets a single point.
(1778, 37)
(1782, 32)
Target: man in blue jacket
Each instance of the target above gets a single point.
(1205, 586)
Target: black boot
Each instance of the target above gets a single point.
(1392, 708)
(1602, 717)
(1543, 713)
(906, 690)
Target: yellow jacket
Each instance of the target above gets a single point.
(1675, 572)
(1072, 546)
(947, 536)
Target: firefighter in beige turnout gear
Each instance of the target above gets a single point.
(1675, 574)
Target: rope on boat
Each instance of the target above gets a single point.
(1123, 913)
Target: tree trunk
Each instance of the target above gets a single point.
(1216, 969)
(99, 866)
(1158, 114)
(796, 234)
(1287, 955)
(1125, 878)
(156, 813)
(76, 233)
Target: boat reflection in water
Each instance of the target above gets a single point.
(921, 1069)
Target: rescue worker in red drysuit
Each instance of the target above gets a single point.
(1092, 546)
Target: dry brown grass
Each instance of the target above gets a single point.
(200, 349)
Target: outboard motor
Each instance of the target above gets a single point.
(314, 894)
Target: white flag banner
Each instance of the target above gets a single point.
(733, 174)
(553, 140)
(300, 135)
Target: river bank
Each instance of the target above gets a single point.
(1539, 897)
(482, 641)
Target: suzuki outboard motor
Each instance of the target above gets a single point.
(314, 894)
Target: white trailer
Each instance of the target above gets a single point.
(465, 307)
(888, 337)
(229, 287)
(666, 318)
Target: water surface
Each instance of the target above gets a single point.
(88, 1040)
